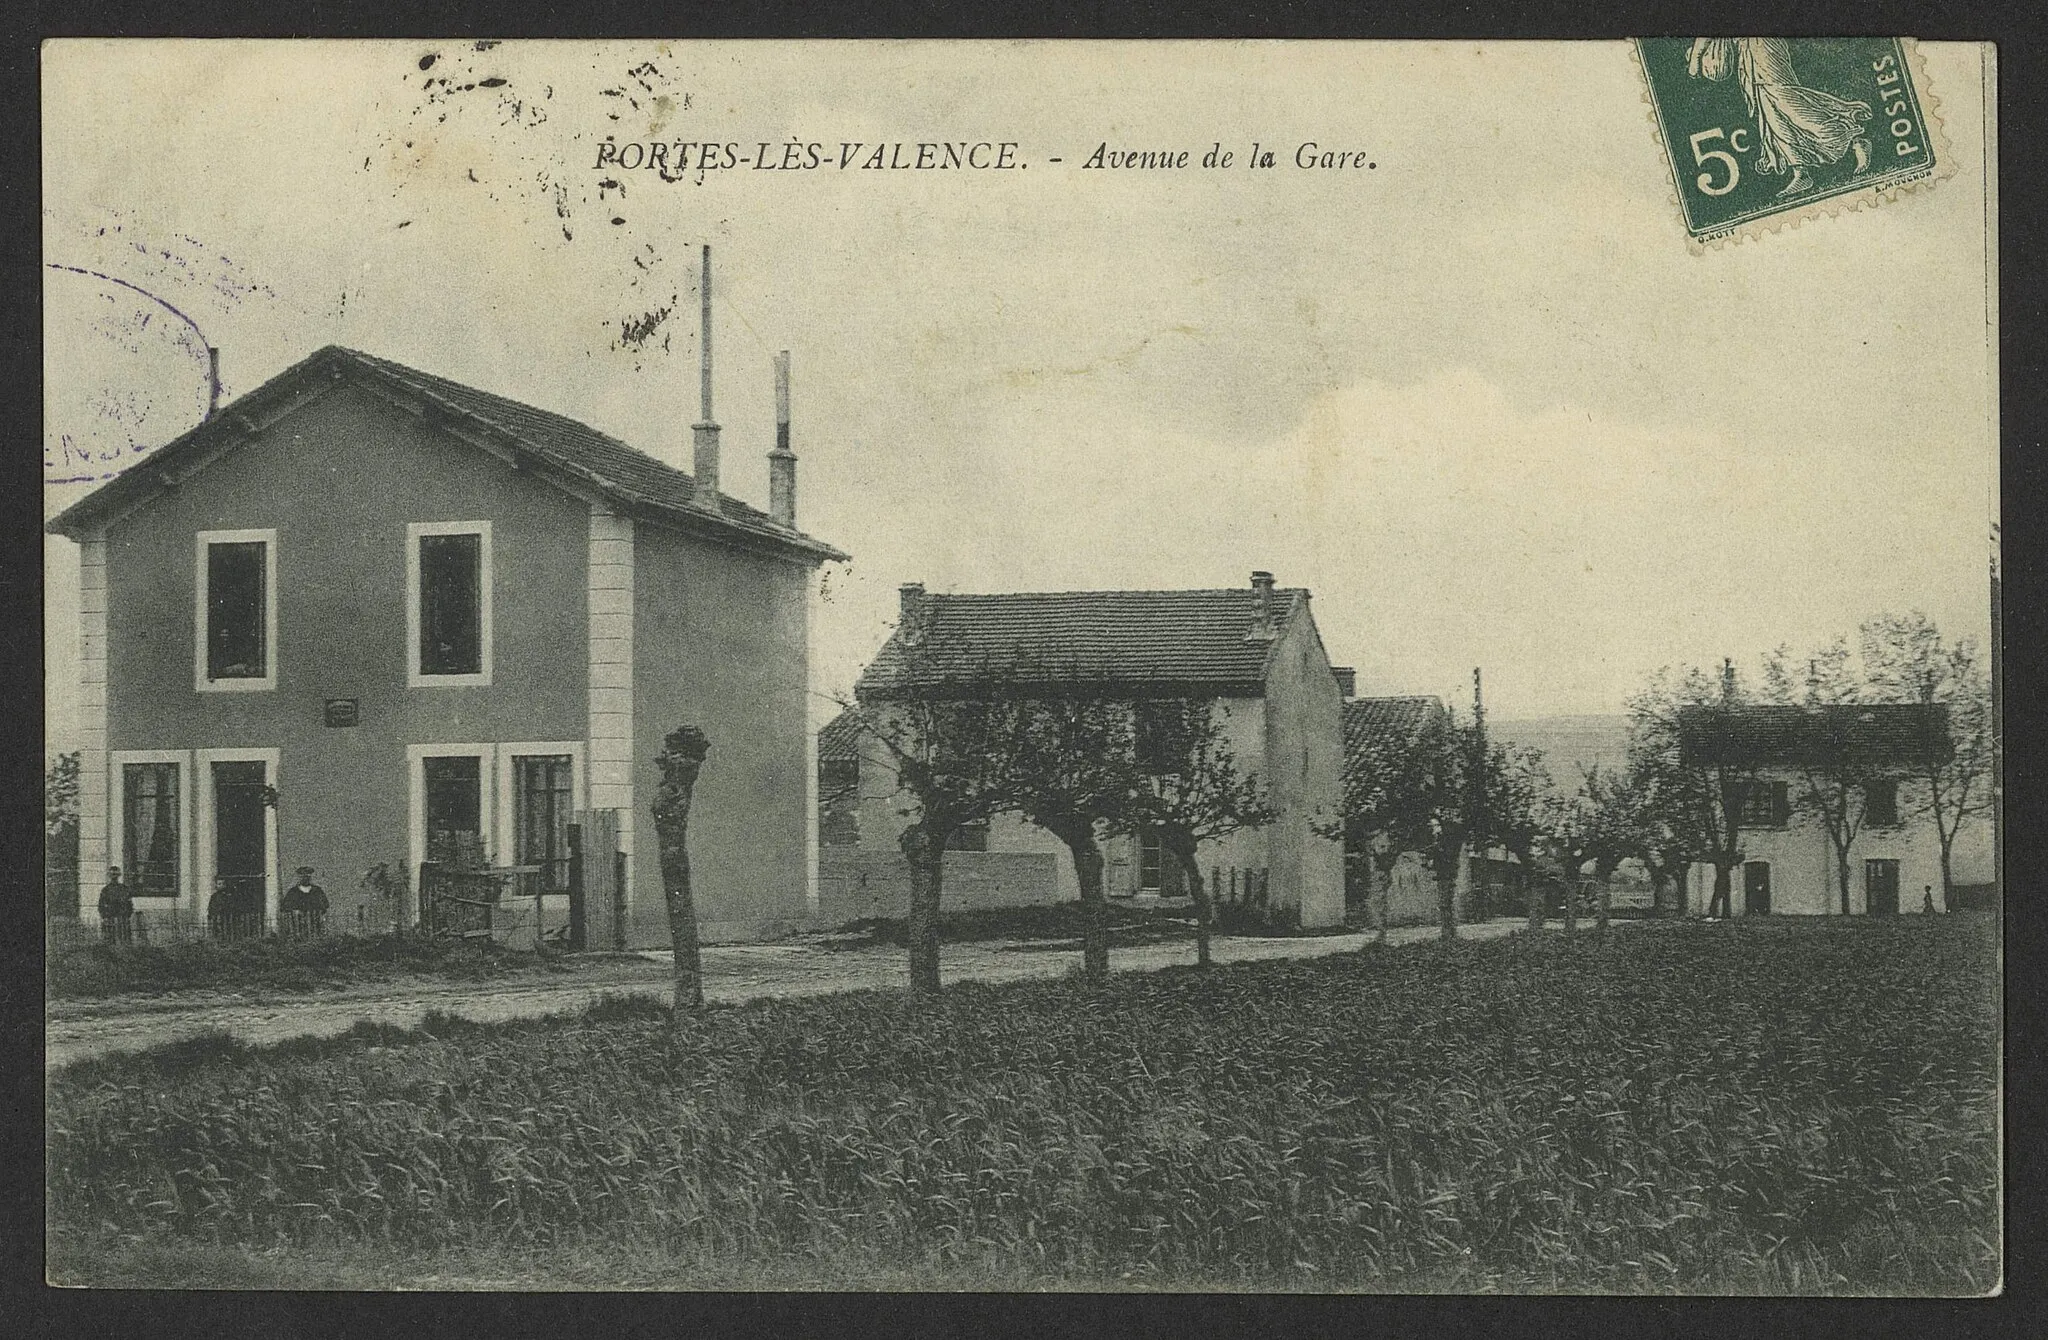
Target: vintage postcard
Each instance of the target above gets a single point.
(1221, 666)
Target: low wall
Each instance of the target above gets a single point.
(852, 885)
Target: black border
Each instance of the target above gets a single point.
(35, 1309)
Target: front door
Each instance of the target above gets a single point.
(240, 861)
(1756, 887)
(1881, 888)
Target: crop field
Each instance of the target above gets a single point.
(1766, 1107)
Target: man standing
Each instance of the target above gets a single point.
(116, 907)
(305, 905)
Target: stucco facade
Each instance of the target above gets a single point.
(613, 607)
(1797, 861)
(1281, 717)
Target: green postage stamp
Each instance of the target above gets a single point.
(1764, 131)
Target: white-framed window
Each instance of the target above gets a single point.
(540, 791)
(448, 604)
(451, 807)
(150, 822)
(234, 611)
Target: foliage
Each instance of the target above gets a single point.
(1685, 812)
(1750, 1108)
(1599, 824)
(1077, 776)
(1440, 791)
(1835, 780)
(1906, 660)
(952, 746)
(60, 795)
(1195, 792)
(61, 875)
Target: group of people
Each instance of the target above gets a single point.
(230, 913)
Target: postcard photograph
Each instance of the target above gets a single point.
(1342, 667)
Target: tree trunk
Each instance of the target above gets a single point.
(925, 852)
(1446, 872)
(1724, 883)
(1948, 878)
(681, 759)
(1383, 896)
(1079, 835)
(1532, 895)
(1094, 910)
(1203, 913)
(1842, 877)
(1603, 894)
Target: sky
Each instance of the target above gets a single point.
(1481, 398)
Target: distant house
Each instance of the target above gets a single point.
(1789, 862)
(369, 616)
(1255, 650)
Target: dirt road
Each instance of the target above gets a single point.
(78, 1029)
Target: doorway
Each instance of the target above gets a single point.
(1756, 888)
(1881, 888)
(241, 865)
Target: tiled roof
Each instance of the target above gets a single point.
(629, 476)
(1876, 734)
(1372, 724)
(839, 739)
(1161, 641)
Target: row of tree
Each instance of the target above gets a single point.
(1449, 791)
(1082, 766)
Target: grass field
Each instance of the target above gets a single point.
(1773, 1107)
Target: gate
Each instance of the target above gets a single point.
(456, 902)
(600, 875)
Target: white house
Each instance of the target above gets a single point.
(1867, 754)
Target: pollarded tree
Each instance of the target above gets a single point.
(1906, 660)
(1195, 792)
(1076, 775)
(681, 759)
(1601, 824)
(1522, 806)
(1694, 807)
(953, 744)
(1835, 776)
(1396, 782)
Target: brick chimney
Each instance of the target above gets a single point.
(704, 432)
(782, 461)
(1727, 681)
(1262, 629)
(212, 381)
(910, 610)
(1347, 680)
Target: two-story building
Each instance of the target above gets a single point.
(365, 616)
(1254, 651)
(1862, 760)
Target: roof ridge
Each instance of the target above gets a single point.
(612, 465)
